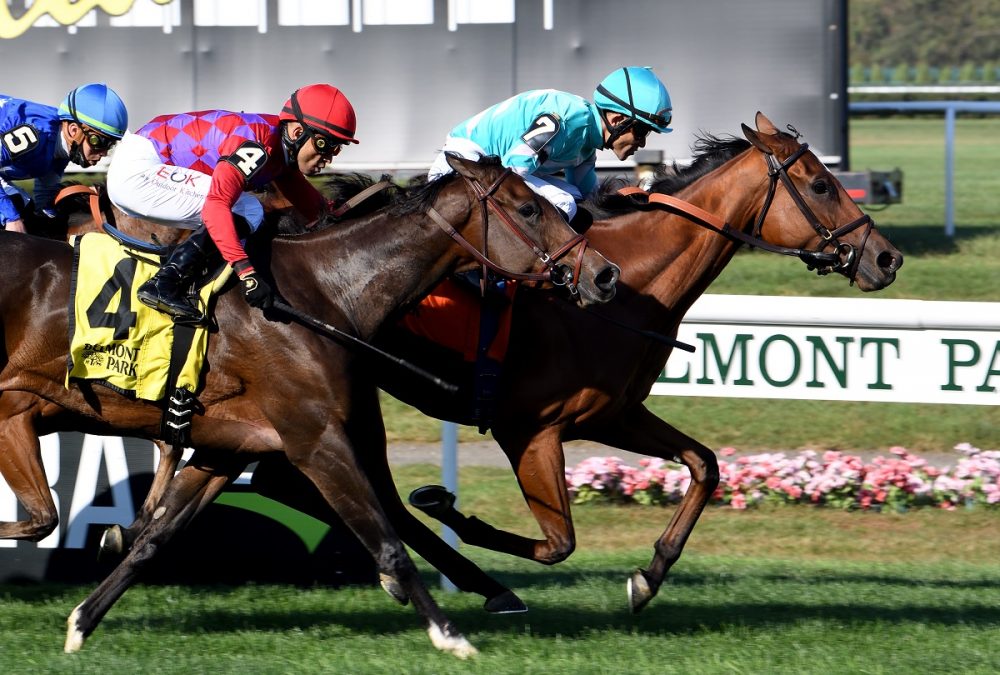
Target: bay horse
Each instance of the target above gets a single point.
(571, 375)
(275, 386)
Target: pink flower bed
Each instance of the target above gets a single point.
(834, 479)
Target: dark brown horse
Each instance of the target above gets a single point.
(569, 375)
(272, 386)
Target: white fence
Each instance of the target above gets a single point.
(843, 349)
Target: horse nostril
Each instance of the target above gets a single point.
(607, 278)
(889, 262)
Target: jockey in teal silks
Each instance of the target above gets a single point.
(545, 132)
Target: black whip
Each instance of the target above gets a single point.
(341, 336)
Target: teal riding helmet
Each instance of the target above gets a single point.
(638, 93)
(97, 106)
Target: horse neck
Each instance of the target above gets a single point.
(366, 268)
(671, 259)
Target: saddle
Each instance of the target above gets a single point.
(119, 343)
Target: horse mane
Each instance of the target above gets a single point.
(424, 192)
(418, 195)
(710, 152)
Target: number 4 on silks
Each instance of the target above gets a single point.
(123, 318)
(248, 158)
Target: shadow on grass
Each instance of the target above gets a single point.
(931, 239)
(546, 619)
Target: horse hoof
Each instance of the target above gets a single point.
(74, 636)
(395, 590)
(434, 500)
(639, 591)
(505, 603)
(112, 543)
(454, 644)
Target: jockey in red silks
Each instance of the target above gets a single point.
(194, 170)
(38, 141)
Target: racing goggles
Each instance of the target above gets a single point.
(326, 145)
(98, 141)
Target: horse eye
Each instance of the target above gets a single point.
(528, 210)
(820, 187)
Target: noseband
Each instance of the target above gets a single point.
(845, 257)
(557, 274)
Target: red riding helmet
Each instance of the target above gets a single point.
(323, 109)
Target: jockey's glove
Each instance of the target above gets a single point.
(257, 291)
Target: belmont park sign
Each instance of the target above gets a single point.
(911, 351)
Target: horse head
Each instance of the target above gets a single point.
(506, 217)
(814, 213)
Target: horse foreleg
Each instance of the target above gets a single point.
(187, 494)
(464, 573)
(639, 430)
(117, 539)
(332, 466)
(539, 466)
(22, 468)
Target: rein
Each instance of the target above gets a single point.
(360, 197)
(557, 274)
(94, 199)
(843, 259)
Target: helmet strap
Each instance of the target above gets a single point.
(615, 131)
(293, 146)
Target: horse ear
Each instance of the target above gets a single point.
(764, 125)
(757, 141)
(461, 165)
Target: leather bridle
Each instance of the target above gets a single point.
(844, 258)
(556, 273)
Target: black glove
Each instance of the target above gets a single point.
(258, 292)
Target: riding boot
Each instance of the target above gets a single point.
(167, 291)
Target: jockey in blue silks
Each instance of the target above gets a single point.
(38, 141)
(543, 132)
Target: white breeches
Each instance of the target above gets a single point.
(142, 186)
(563, 195)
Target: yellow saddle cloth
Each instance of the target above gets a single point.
(117, 341)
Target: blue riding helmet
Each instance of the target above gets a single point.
(97, 106)
(638, 93)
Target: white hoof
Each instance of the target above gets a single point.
(74, 637)
(456, 645)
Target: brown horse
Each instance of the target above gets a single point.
(273, 386)
(570, 375)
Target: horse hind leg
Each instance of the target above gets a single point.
(184, 497)
(116, 539)
(22, 468)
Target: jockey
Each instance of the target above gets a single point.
(193, 170)
(543, 132)
(38, 141)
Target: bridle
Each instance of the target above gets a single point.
(555, 273)
(844, 258)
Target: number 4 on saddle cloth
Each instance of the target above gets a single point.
(118, 342)
(456, 315)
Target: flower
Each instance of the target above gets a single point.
(832, 478)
